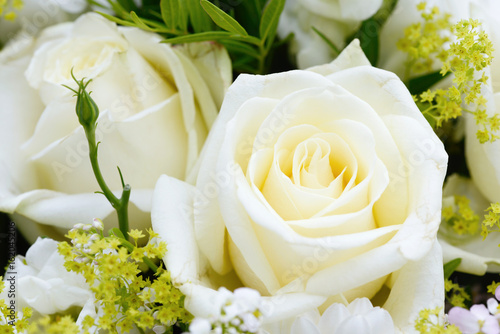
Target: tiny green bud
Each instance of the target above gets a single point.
(86, 108)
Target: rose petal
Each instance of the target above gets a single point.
(422, 283)
(172, 210)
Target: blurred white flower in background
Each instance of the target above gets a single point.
(336, 19)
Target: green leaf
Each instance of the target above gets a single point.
(247, 13)
(368, 35)
(422, 83)
(116, 232)
(211, 36)
(182, 18)
(138, 21)
(369, 31)
(128, 5)
(222, 19)
(239, 47)
(199, 18)
(270, 18)
(450, 267)
(169, 11)
(117, 20)
(327, 41)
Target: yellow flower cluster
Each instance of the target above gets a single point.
(126, 295)
(8, 9)
(493, 287)
(466, 59)
(461, 218)
(455, 294)
(491, 220)
(54, 325)
(428, 322)
(424, 41)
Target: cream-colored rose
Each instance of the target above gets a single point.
(38, 14)
(478, 255)
(157, 103)
(336, 19)
(313, 187)
(483, 160)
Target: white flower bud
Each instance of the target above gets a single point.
(98, 224)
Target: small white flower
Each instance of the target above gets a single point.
(200, 326)
(78, 226)
(233, 311)
(158, 329)
(358, 317)
(98, 224)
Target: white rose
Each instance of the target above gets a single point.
(40, 281)
(157, 103)
(38, 14)
(483, 160)
(336, 19)
(478, 255)
(313, 186)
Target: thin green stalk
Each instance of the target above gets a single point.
(119, 204)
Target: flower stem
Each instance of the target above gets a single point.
(119, 204)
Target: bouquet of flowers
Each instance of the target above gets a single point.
(250, 166)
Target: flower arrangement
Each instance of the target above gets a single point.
(345, 181)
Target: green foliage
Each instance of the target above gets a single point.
(369, 31)
(222, 19)
(198, 17)
(450, 267)
(420, 84)
(250, 39)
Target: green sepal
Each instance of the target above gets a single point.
(86, 108)
(116, 232)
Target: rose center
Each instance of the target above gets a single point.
(311, 164)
